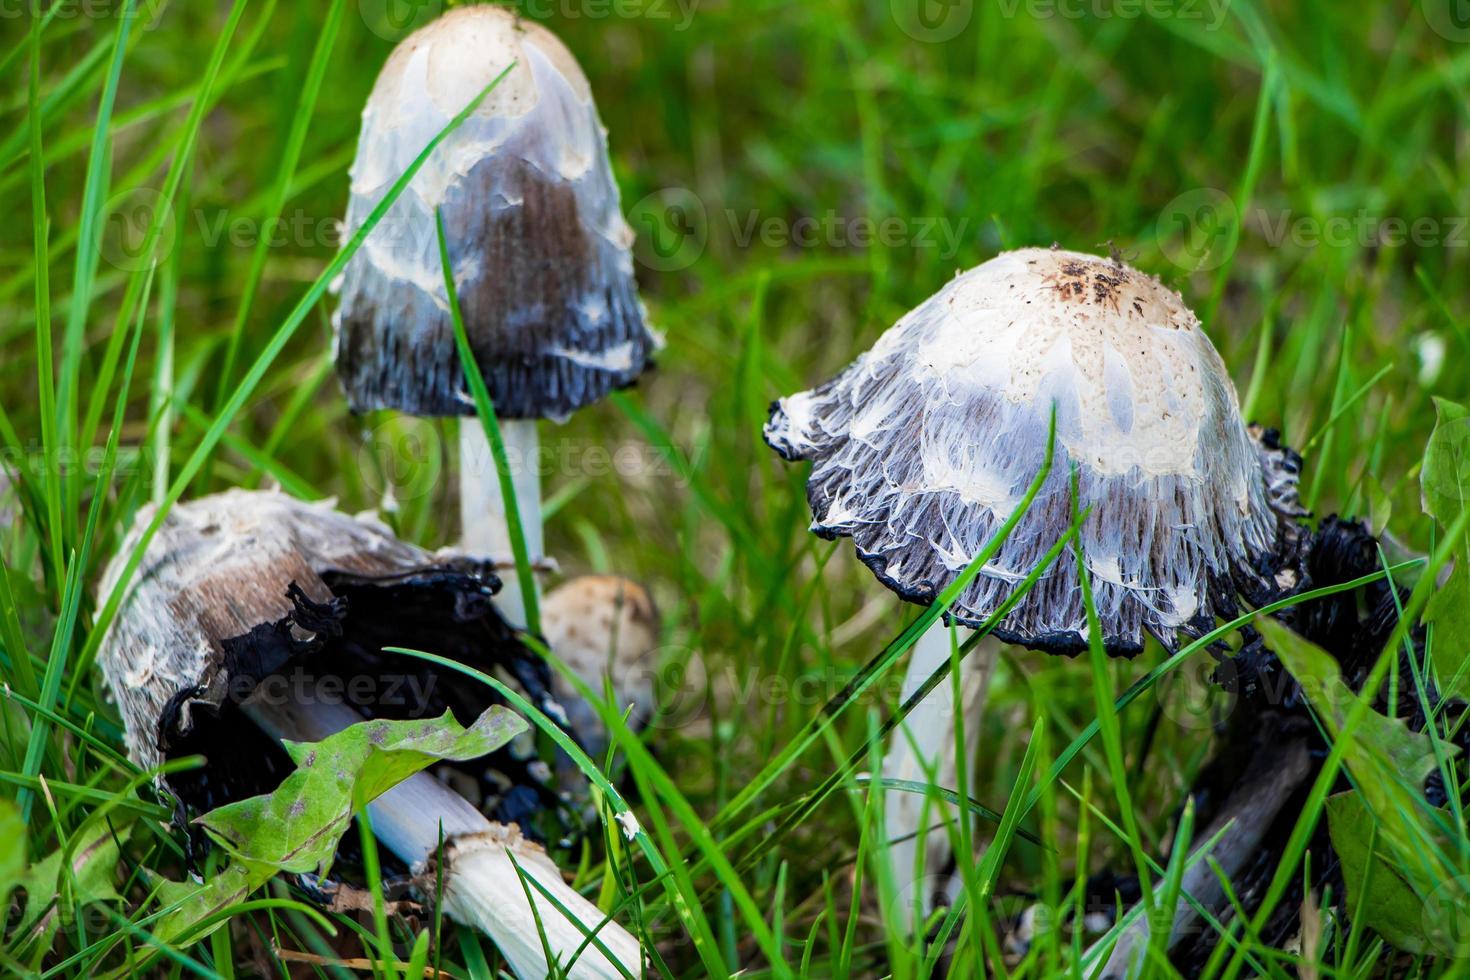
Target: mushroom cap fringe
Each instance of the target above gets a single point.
(536, 238)
(927, 443)
(244, 588)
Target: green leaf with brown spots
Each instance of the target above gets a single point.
(193, 903)
(296, 827)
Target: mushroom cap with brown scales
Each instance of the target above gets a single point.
(603, 626)
(536, 238)
(249, 594)
(927, 443)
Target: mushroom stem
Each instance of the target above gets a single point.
(1245, 818)
(926, 743)
(482, 888)
(484, 528)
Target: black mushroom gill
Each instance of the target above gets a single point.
(256, 595)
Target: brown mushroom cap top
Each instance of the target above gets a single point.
(536, 238)
(218, 568)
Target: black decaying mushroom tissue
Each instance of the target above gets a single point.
(255, 592)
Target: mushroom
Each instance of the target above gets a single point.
(602, 627)
(926, 444)
(537, 243)
(255, 605)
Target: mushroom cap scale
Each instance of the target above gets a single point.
(927, 443)
(537, 242)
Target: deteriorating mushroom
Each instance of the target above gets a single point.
(926, 444)
(536, 241)
(258, 605)
(602, 626)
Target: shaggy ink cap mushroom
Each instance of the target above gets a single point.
(537, 242)
(926, 444)
(247, 594)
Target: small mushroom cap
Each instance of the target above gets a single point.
(927, 443)
(537, 242)
(603, 625)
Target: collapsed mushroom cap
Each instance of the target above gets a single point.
(926, 444)
(255, 594)
(536, 240)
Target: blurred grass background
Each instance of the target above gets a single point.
(799, 174)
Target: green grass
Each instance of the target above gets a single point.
(199, 359)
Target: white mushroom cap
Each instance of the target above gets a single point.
(537, 242)
(926, 444)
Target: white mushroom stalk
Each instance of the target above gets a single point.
(535, 240)
(483, 508)
(424, 822)
(925, 744)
